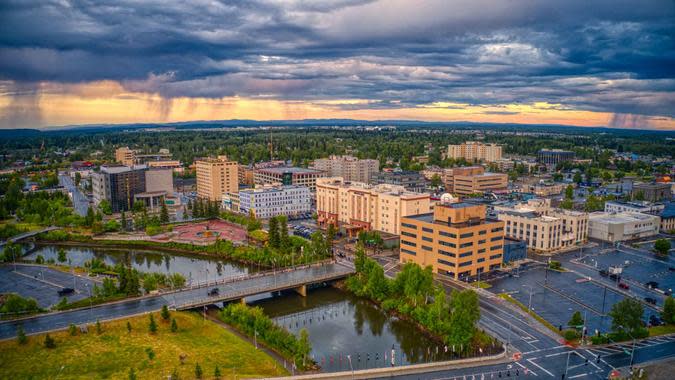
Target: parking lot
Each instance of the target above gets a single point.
(42, 284)
(555, 296)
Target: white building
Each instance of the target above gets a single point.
(622, 226)
(348, 167)
(268, 201)
(644, 207)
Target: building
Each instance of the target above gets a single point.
(125, 156)
(215, 177)
(474, 151)
(357, 206)
(505, 165)
(653, 192)
(158, 188)
(174, 165)
(118, 185)
(634, 206)
(545, 189)
(268, 201)
(622, 226)
(348, 167)
(246, 175)
(410, 180)
(514, 250)
(473, 179)
(552, 157)
(668, 218)
(543, 228)
(286, 175)
(456, 240)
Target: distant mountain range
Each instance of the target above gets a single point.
(200, 124)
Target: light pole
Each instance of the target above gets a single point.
(349, 357)
(529, 306)
(255, 338)
(632, 351)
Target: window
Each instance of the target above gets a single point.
(409, 252)
(466, 263)
(466, 235)
(496, 247)
(405, 242)
(447, 244)
(424, 247)
(464, 245)
(448, 234)
(482, 250)
(481, 242)
(496, 238)
(482, 232)
(429, 230)
(408, 234)
(480, 260)
(465, 254)
(407, 225)
(446, 253)
(501, 229)
(495, 256)
(441, 261)
(426, 238)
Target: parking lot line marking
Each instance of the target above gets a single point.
(556, 354)
(540, 367)
(579, 375)
(523, 367)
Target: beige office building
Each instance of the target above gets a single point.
(456, 240)
(215, 177)
(174, 165)
(543, 228)
(349, 168)
(622, 226)
(357, 206)
(125, 156)
(474, 151)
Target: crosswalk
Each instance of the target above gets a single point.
(622, 347)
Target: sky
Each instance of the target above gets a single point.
(574, 62)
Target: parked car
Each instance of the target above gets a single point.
(603, 272)
(624, 286)
(650, 300)
(214, 292)
(652, 284)
(655, 321)
(66, 291)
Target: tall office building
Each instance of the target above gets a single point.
(118, 185)
(348, 167)
(409, 179)
(475, 151)
(215, 177)
(473, 180)
(357, 206)
(456, 240)
(552, 157)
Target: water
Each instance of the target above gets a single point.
(194, 268)
(340, 324)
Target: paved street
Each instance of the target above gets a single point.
(80, 201)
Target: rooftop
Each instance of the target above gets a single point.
(290, 169)
(619, 217)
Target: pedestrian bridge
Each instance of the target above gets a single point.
(240, 287)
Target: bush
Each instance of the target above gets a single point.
(153, 230)
(599, 339)
(555, 265)
(198, 371)
(570, 335)
(174, 325)
(165, 313)
(151, 354)
(72, 330)
(152, 326)
(49, 342)
(21, 335)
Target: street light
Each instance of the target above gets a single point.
(529, 306)
(632, 351)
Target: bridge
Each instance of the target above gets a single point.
(230, 289)
(27, 235)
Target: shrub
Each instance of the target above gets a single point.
(98, 327)
(216, 373)
(153, 230)
(21, 335)
(198, 371)
(555, 265)
(72, 330)
(152, 326)
(165, 313)
(49, 342)
(151, 354)
(128, 326)
(570, 335)
(174, 325)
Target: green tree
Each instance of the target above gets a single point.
(304, 348)
(567, 204)
(639, 195)
(627, 316)
(164, 213)
(576, 320)
(62, 256)
(284, 242)
(72, 330)
(668, 313)
(150, 353)
(21, 335)
(174, 325)
(132, 374)
(98, 327)
(216, 373)
(436, 181)
(577, 178)
(78, 178)
(152, 326)
(124, 222)
(273, 240)
(662, 246)
(464, 315)
(165, 313)
(90, 217)
(569, 192)
(49, 342)
(105, 207)
(198, 371)
(128, 326)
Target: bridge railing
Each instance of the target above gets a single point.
(272, 272)
(277, 285)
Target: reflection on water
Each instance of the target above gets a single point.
(340, 324)
(197, 269)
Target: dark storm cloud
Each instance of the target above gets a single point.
(604, 55)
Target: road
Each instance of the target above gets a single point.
(80, 201)
(247, 285)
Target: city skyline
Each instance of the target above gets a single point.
(605, 64)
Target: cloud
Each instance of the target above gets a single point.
(605, 56)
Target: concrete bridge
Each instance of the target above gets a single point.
(27, 235)
(238, 288)
(235, 288)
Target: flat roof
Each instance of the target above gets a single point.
(619, 217)
(429, 218)
(290, 169)
(669, 211)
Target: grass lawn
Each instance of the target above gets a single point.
(661, 330)
(481, 285)
(111, 354)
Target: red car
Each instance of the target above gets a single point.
(623, 286)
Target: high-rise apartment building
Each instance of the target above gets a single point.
(358, 206)
(268, 201)
(474, 151)
(552, 157)
(125, 156)
(456, 240)
(543, 228)
(215, 177)
(409, 179)
(348, 167)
